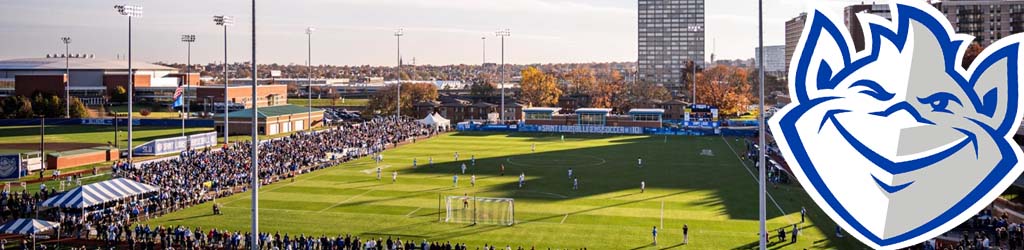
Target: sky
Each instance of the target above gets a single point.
(361, 32)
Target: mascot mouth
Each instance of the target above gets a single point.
(893, 167)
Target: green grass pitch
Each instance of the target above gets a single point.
(716, 196)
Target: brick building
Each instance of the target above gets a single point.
(90, 79)
(272, 120)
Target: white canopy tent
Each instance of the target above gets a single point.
(98, 193)
(435, 120)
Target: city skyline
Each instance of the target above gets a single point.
(439, 32)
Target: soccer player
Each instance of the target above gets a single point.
(413, 162)
(472, 181)
(430, 161)
(639, 162)
(643, 186)
(502, 169)
(455, 180)
(570, 173)
(794, 233)
(463, 168)
(394, 177)
(575, 184)
(563, 138)
(533, 147)
(456, 156)
(686, 234)
(803, 212)
(378, 173)
(522, 179)
(472, 160)
(654, 234)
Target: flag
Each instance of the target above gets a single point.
(179, 96)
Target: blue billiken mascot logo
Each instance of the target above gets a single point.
(899, 143)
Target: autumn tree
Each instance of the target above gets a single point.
(725, 87)
(14, 107)
(972, 52)
(539, 88)
(580, 80)
(78, 109)
(120, 94)
(384, 100)
(484, 87)
(604, 91)
(642, 95)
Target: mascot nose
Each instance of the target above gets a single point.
(907, 109)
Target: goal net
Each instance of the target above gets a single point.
(479, 210)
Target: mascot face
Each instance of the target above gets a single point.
(898, 143)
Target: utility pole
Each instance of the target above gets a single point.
(42, 144)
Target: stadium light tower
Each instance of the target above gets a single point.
(188, 39)
(503, 34)
(225, 21)
(398, 104)
(760, 125)
(693, 99)
(130, 11)
(255, 160)
(483, 39)
(67, 73)
(309, 78)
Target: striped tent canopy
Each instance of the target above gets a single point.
(99, 193)
(27, 226)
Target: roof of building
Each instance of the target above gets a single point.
(271, 111)
(541, 109)
(593, 110)
(647, 111)
(427, 104)
(484, 105)
(76, 64)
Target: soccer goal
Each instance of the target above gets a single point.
(479, 210)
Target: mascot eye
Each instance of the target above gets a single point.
(940, 101)
(874, 90)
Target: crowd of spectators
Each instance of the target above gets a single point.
(146, 237)
(197, 176)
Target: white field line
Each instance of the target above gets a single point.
(413, 212)
(346, 200)
(752, 175)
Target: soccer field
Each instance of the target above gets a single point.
(716, 196)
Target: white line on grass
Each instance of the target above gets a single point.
(413, 212)
(373, 170)
(346, 200)
(752, 174)
(563, 219)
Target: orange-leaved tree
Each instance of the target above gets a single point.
(725, 87)
(539, 88)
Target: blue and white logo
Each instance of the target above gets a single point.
(899, 143)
